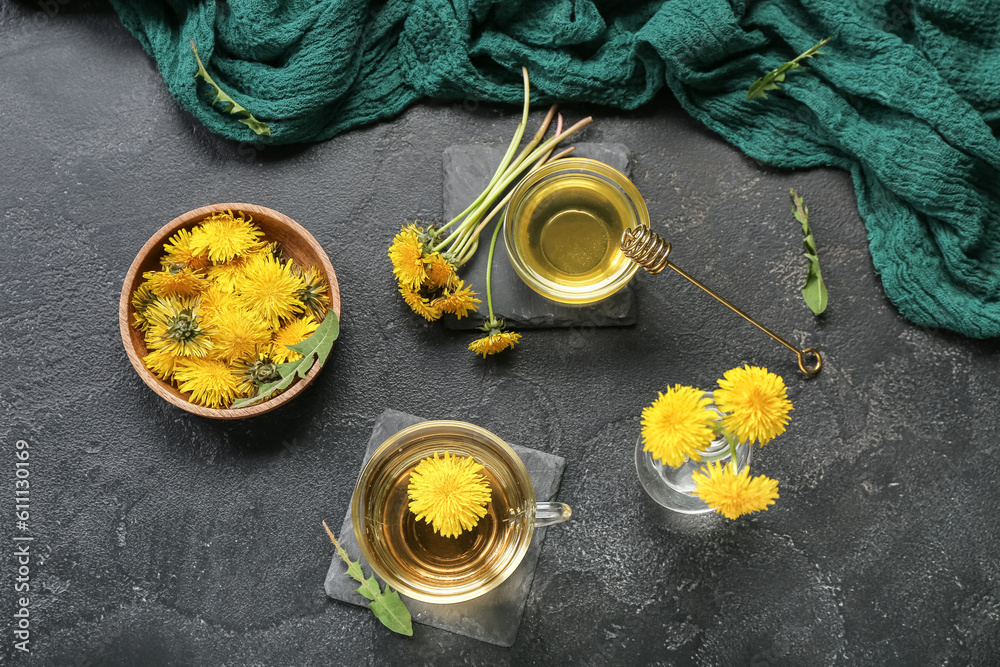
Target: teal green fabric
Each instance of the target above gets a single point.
(906, 97)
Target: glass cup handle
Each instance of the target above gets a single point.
(547, 514)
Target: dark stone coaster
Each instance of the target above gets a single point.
(467, 170)
(494, 617)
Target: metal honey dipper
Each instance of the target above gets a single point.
(650, 251)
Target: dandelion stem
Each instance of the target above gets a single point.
(468, 242)
(464, 240)
(332, 538)
(732, 449)
(489, 270)
(501, 169)
(516, 169)
(468, 252)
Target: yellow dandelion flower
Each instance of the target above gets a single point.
(493, 343)
(270, 289)
(142, 299)
(418, 304)
(406, 253)
(755, 402)
(216, 297)
(440, 272)
(210, 381)
(226, 275)
(161, 363)
(313, 294)
(176, 327)
(273, 248)
(291, 333)
(175, 280)
(676, 427)
(238, 333)
(449, 493)
(251, 374)
(460, 301)
(733, 495)
(223, 236)
(178, 250)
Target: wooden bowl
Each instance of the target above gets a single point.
(296, 243)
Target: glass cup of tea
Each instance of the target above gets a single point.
(563, 229)
(418, 562)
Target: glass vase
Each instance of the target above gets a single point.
(673, 487)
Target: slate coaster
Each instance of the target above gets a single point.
(467, 171)
(494, 617)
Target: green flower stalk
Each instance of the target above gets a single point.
(425, 260)
(496, 339)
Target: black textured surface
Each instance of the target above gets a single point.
(165, 539)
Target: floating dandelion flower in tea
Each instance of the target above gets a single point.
(175, 327)
(734, 494)
(223, 236)
(449, 493)
(210, 381)
(292, 333)
(270, 289)
(677, 426)
(755, 402)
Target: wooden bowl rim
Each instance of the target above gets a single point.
(155, 243)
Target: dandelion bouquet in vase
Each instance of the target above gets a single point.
(695, 445)
(426, 259)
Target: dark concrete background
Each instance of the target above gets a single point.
(165, 539)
